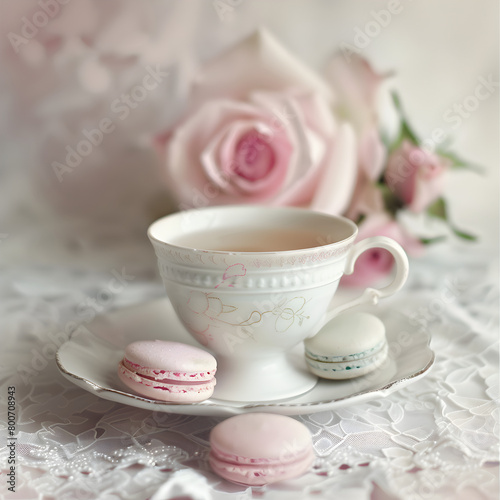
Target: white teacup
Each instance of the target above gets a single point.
(251, 282)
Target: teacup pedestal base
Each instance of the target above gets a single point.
(267, 378)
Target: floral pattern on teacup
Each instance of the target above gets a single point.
(231, 274)
(210, 311)
(290, 312)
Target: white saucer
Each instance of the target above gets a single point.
(90, 359)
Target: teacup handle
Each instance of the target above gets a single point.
(372, 295)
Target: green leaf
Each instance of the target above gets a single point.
(361, 218)
(397, 102)
(430, 241)
(405, 131)
(460, 163)
(391, 202)
(463, 234)
(408, 133)
(438, 209)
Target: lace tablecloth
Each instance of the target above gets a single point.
(435, 438)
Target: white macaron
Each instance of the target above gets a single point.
(350, 345)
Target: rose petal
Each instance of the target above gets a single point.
(217, 158)
(356, 85)
(316, 112)
(337, 184)
(296, 111)
(257, 62)
(301, 188)
(372, 153)
(366, 199)
(309, 150)
(430, 182)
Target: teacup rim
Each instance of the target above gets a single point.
(300, 251)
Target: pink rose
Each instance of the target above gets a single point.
(416, 176)
(376, 263)
(260, 130)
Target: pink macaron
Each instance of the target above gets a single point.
(260, 448)
(168, 371)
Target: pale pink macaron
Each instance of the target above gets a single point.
(168, 371)
(260, 448)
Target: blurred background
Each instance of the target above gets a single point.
(65, 64)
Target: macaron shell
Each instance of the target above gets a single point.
(170, 357)
(260, 448)
(181, 376)
(162, 391)
(261, 436)
(348, 369)
(260, 474)
(347, 335)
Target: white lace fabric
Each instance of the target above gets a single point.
(436, 438)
